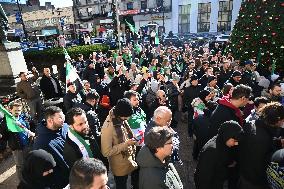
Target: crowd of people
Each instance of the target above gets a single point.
(121, 120)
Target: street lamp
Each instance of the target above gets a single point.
(20, 9)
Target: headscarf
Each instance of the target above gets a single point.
(37, 162)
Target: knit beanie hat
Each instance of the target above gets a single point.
(194, 77)
(123, 108)
(236, 73)
(211, 78)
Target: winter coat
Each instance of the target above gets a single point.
(16, 141)
(256, 149)
(155, 174)
(70, 99)
(214, 159)
(117, 87)
(190, 93)
(47, 87)
(53, 142)
(223, 77)
(225, 111)
(28, 90)
(90, 75)
(121, 165)
(172, 92)
(72, 152)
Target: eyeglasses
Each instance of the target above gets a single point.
(168, 143)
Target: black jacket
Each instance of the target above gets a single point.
(47, 88)
(191, 93)
(256, 149)
(117, 87)
(214, 159)
(221, 114)
(72, 153)
(53, 142)
(70, 99)
(90, 75)
(223, 77)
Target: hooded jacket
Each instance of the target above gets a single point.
(53, 142)
(214, 158)
(225, 111)
(256, 149)
(154, 174)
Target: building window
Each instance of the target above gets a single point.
(88, 1)
(159, 3)
(130, 6)
(184, 18)
(203, 19)
(89, 11)
(144, 4)
(225, 15)
(78, 2)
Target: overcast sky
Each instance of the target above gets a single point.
(58, 3)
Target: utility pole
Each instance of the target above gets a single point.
(22, 21)
(163, 9)
(118, 24)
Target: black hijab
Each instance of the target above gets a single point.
(37, 162)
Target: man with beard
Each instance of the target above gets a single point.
(274, 94)
(235, 78)
(137, 123)
(50, 136)
(78, 141)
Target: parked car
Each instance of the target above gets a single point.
(173, 40)
(222, 38)
(98, 40)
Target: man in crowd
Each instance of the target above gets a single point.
(49, 85)
(50, 136)
(72, 97)
(228, 109)
(28, 90)
(155, 171)
(259, 143)
(137, 123)
(88, 173)
(274, 93)
(17, 141)
(78, 142)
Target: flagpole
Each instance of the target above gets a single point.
(118, 25)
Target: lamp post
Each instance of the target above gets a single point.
(118, 25)
(22, 21)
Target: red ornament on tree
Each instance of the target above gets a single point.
(258, 16)
(265, 41)
(282, 4)
(273, 33)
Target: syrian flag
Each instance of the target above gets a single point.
(131, 27)
(157, 40)
(13, 124)
(71, 73)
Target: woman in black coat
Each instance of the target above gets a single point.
(214, 158)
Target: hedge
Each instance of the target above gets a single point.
(57, 55)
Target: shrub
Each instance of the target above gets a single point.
(56, 54)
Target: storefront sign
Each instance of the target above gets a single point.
(127, 12)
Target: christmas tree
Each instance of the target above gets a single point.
(259, 32)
